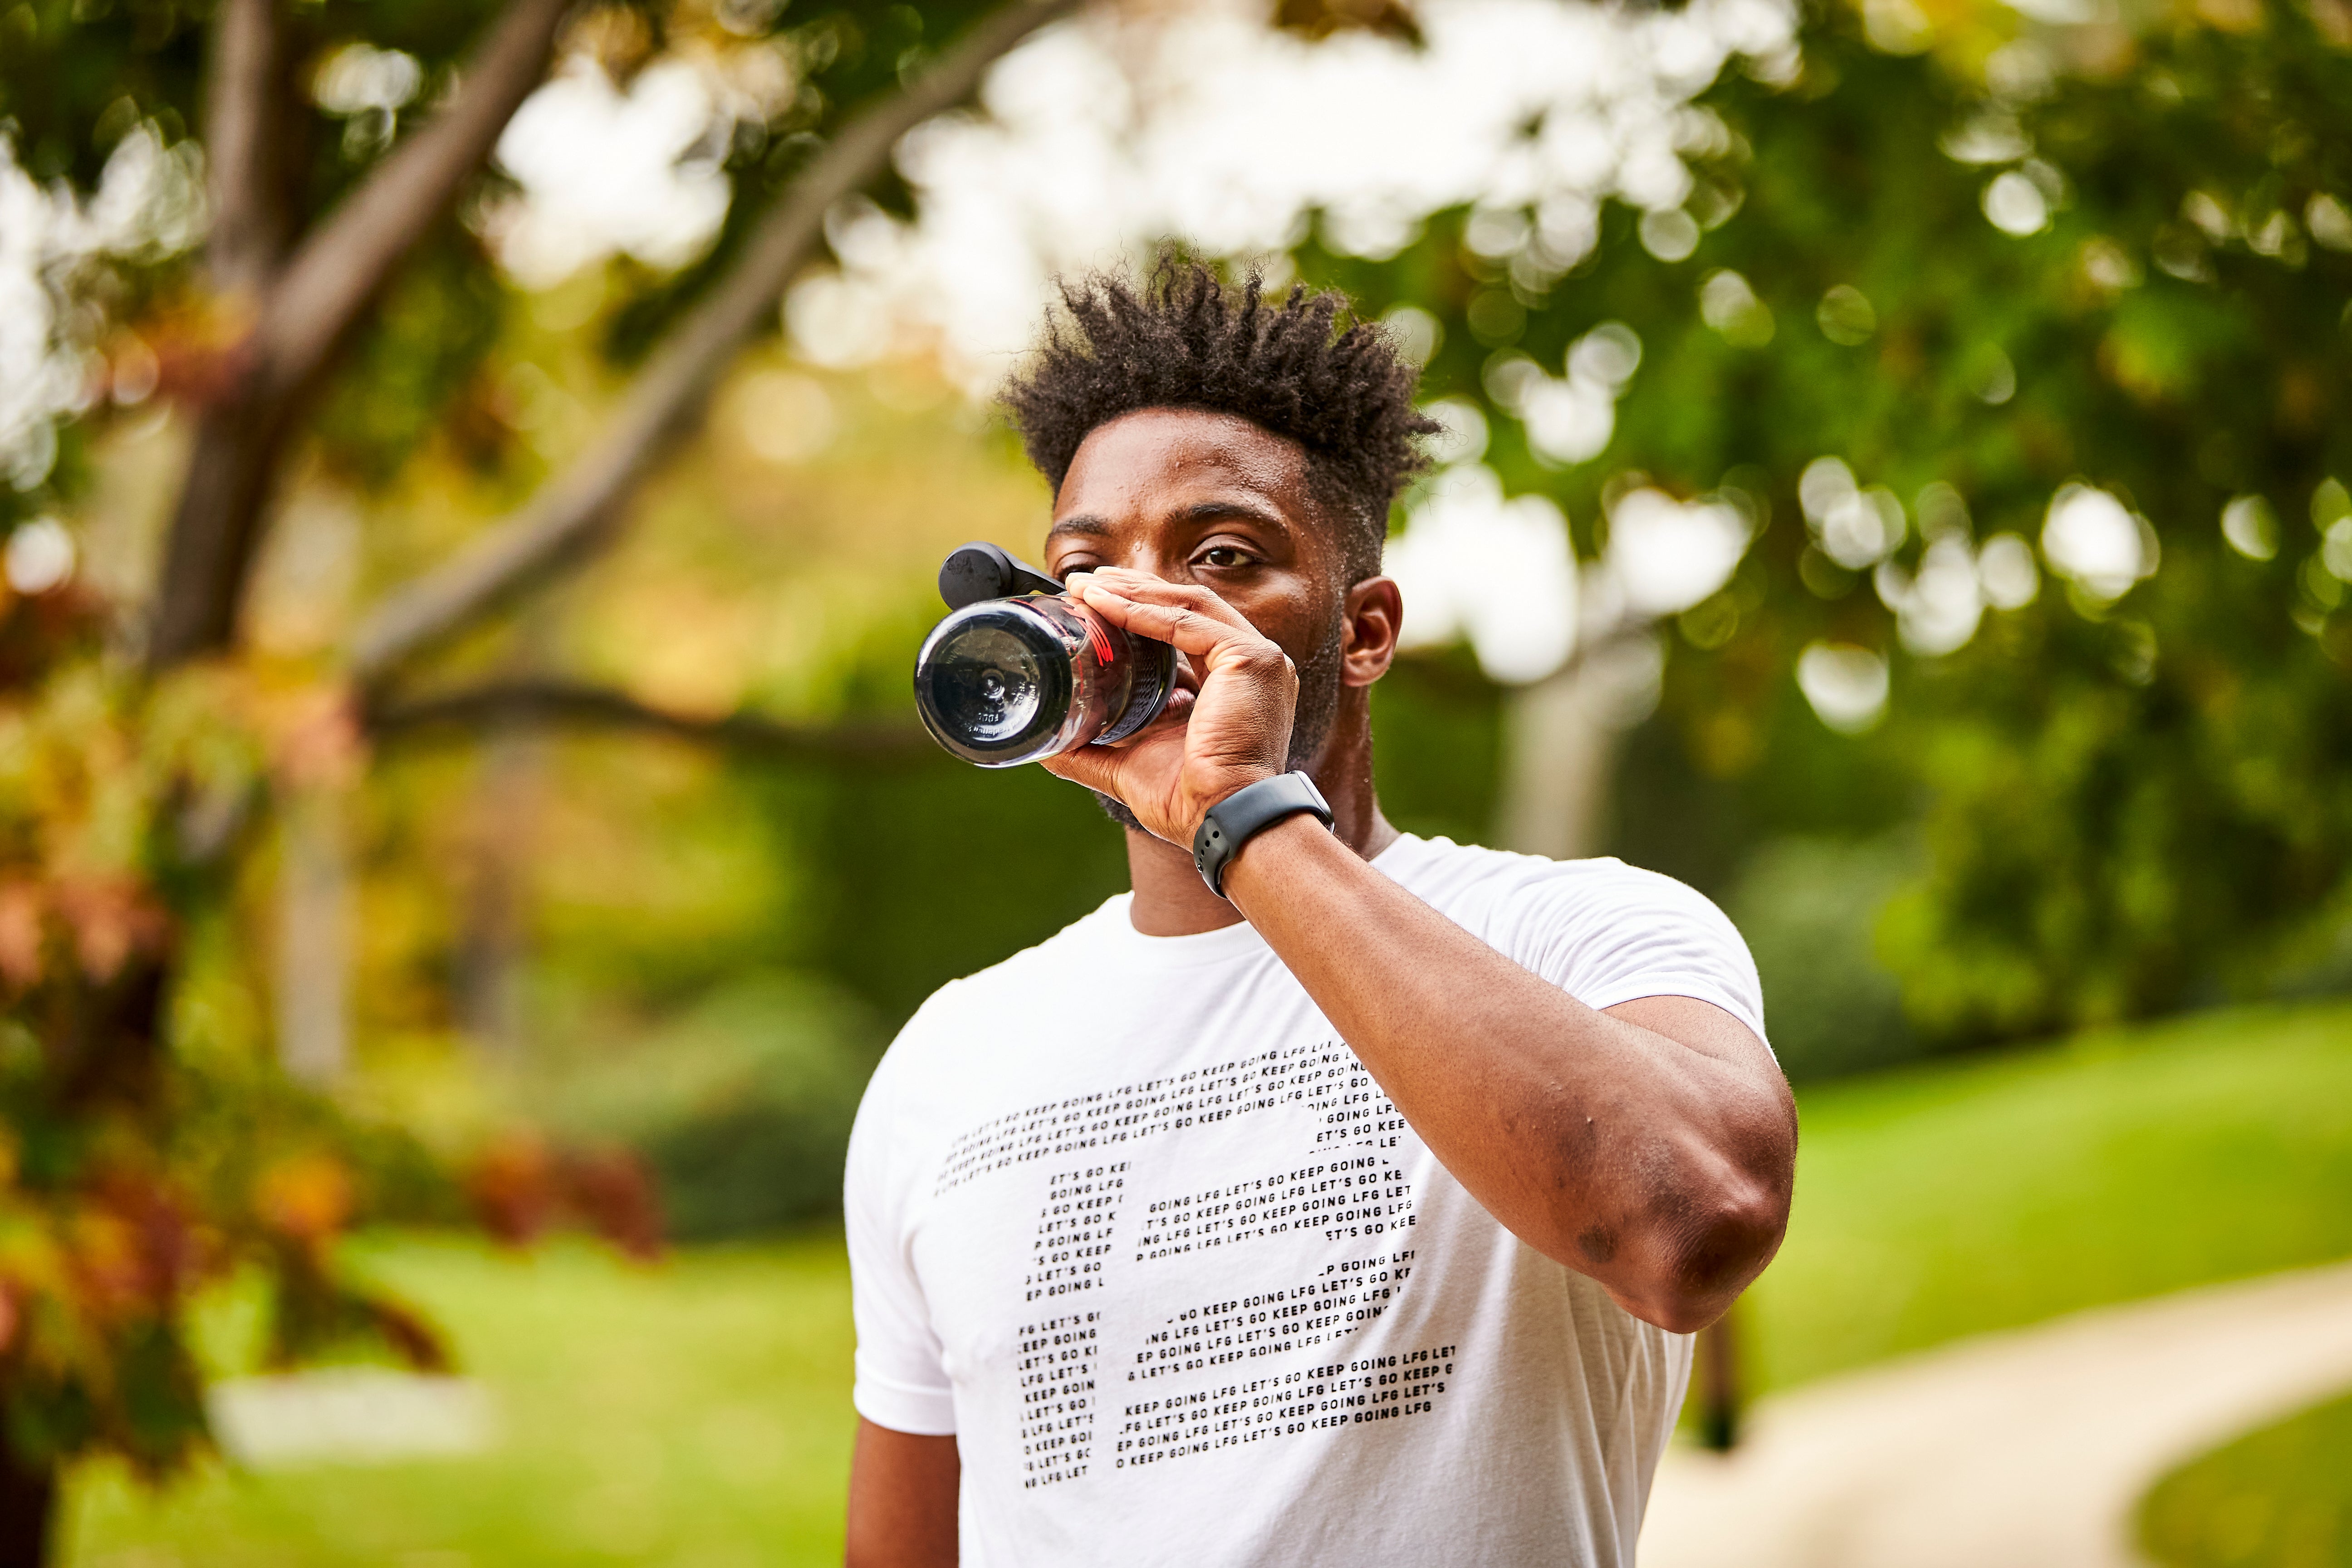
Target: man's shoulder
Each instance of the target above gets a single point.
(1604, 930)
(1439, 870)
(1528, 905)
(928, 1070)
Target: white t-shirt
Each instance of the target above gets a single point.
(1130, 1220)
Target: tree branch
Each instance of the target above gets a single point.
(248, 214)
(566, 517)
(346, 259)
(551, 702)
(309, 307)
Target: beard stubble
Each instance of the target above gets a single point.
(1316, 710)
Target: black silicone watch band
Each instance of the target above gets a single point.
(1241, 815)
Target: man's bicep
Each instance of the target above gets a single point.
(902, 1499)
(1703, 1027)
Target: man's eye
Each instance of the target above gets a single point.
(1224, 555)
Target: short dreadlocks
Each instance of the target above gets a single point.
(1305, 369)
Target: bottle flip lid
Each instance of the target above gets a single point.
(982, 571)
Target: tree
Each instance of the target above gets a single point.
(144, 1154)
(2025, 348)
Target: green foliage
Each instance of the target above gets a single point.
(2279, 1498)
(149, 1145)
(1734, 760)
(410, 374)
(1809, 908)
(75, 76)
(2101, 848)
(78, 76)
(141, 1154)
(845, 57)
(2128, 806)
(1951, 1199)
(1437, 736)
(741, 1104)
(927, 868)
(999, 862)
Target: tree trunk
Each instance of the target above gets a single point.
(313, 934)
(28, 1507)
(251, 144)
(215, 529)
(1561, 741)
(491, 945)
(309, 306)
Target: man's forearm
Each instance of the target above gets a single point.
(1657, 1163)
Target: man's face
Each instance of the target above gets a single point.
(1212, 498)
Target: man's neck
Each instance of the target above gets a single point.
(1170, 900)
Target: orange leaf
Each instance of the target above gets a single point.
(307, 1197)
(513, 1185)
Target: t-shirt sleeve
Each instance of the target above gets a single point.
(901, 1379)
(1607, 932)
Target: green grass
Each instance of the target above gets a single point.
(698, 1414)
(2279, 1498)
(1951, 1199)
(695, 1415)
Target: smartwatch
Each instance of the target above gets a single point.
(1245, 814)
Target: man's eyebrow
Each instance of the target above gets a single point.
(1086, 525)
(1235, 505)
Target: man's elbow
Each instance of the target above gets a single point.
(1703, 1262)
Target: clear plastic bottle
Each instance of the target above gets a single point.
(1006, 681)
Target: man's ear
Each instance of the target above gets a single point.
(1374, 612)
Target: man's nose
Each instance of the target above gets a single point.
(1147, 555)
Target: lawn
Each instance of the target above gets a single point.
(2279, 1498)
(1956, 1198)
(697, 1413)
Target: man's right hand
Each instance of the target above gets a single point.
(1237, 730)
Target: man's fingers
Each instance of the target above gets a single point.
(1141, 588)
(1144, 588)
(1189, 630)
(1186, 630)
(1096, 767)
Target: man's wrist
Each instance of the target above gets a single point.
(1264, 857)
(1228, 826)
(1224, 794)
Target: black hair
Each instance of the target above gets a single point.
(1305, 369)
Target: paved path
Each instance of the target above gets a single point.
(2028, 1449)
(350, 1415)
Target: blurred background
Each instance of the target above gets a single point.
(472, 477)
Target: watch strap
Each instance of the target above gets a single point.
(1247, 812)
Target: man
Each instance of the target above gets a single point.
(1358, 1210)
